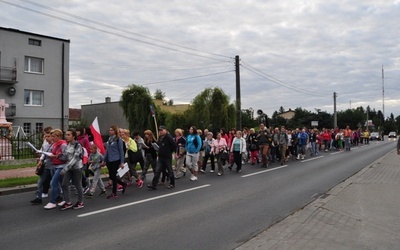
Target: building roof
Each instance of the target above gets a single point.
(75, 114)
(34, 34)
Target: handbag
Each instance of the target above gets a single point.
(39, 170)
(224, 155)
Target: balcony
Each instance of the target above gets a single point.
(8, 75)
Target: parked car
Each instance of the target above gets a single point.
(376, 136)
(392, 134)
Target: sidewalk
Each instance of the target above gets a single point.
(362, 212)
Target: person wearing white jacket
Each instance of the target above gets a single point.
(238, 147)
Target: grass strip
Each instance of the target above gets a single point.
(18, 181)
(8, 167)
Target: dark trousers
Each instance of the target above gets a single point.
(112, 172)
(46, 184)
(206, 157)
(237, 158)
(163, 165)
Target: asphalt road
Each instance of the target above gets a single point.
(212, 213)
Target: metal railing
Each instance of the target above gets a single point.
(16, 147)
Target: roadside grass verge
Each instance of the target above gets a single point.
(8, 167)
(18, 181)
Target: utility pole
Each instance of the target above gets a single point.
(383, 94)
(238, 98)
(334, 111)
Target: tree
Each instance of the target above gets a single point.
(211, 109)
(135, 102)
(159, 95)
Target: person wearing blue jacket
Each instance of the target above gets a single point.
(114, 158)
(193, 146)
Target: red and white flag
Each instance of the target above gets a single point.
(95, 129)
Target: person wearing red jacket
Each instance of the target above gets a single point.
(326, 137)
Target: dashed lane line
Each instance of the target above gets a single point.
(264, 171)
(141, 201)
(311, 159)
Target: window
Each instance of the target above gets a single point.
(33, 98)
(39, 127)
(35, 42)
(27, 128)
(34, 65)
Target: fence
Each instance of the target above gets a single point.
(16, 147)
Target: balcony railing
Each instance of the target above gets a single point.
(8, 75)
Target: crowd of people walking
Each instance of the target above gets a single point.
(75, 162)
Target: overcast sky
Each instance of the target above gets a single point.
(293, 53)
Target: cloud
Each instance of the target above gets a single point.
(293, 53)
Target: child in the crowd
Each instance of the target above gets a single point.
(95, 159)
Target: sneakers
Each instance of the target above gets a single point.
(112, 196)
(89, 195)
(45, 195)
(212, 171)
(219, 174)
(78, 205)
(85, 190)
(193, 178)
(120, 188)
(50, 206)
(61, 203)
(151, 187)
(36, 201)
(170, 186)
(103, 192)
(66, 206)
(203, 171)
(140, 184)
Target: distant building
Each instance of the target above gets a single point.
(34, 79)
(110, 113)
(287, 115)
(74, 117)
(173, 109)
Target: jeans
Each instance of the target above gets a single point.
(163, 164)
(55, 184)
(76, 176)
(97, 180)
(43, 178)
(206, 157)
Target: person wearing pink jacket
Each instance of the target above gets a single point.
(218, 146)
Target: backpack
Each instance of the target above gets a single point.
(84, 154)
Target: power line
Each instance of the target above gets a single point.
(112, 33)
(277, 81)
(187, 78)
(117, 28)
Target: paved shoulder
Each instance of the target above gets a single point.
(360, 213)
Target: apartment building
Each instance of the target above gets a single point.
(34, 79)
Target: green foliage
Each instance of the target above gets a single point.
(248, 119)
(159, 95)
(18, 181)
(211, 109)
(135, 102)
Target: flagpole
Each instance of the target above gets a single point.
(153, 114)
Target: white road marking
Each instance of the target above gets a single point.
(141, 201)
(338, 152)
(311, 159)
(314, 195)
(264, 171)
